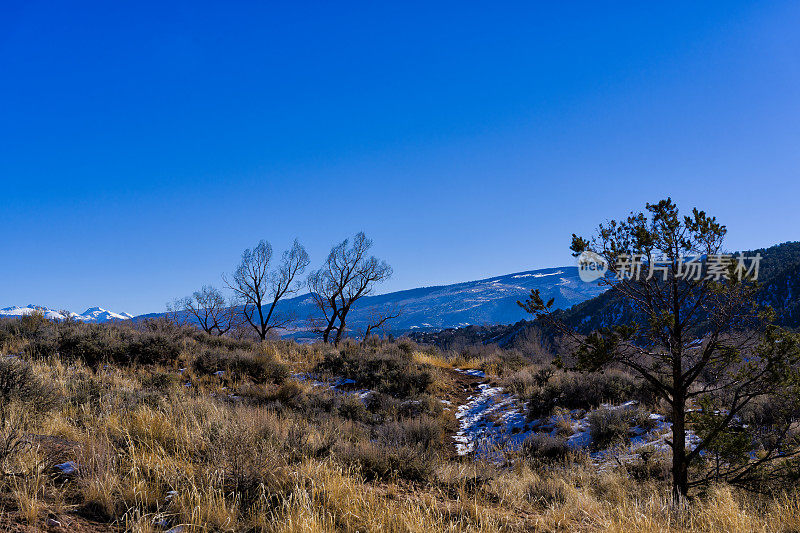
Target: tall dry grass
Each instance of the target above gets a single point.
(153, 453)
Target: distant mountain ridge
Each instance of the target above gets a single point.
(93, 314)
(485, 310)
(779, 275)
(486, 301)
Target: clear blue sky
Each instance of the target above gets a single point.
(144, 145)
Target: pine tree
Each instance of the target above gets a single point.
(699, 338)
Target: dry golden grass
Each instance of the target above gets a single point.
(466, 363)
(155, 447)
(178, 454)
(434, 360)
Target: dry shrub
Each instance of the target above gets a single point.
(544, 447)
(650, 463)
(376, 461)
(24, 397)
(424, 432)
(389, 370)
(249, 466)
(290, 393)
(548, 492)
(610, 426)
(353, 408)
(258, 367)
(573, 390)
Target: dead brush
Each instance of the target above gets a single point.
(211, 464)
(563, 422)
(431, 359)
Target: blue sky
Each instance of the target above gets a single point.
(144, 145)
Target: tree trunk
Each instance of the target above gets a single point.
(326, 335)
(680, 470)
(339, 332)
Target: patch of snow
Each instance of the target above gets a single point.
(494, 419)
(486, 419)
(472, 372)
(98, 314)
(69, 468)
(306, 377)
(362, 394)
(537, 275)
(15, 311)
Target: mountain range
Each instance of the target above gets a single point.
(487, 301)
(779, 278)
(93, 314)
(485, 310)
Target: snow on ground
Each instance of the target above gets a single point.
(337, 385)
(494, 419)
(69, 468)
(473, 373)
(490, 416)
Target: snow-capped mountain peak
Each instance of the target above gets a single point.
(16, 311)
(93, 314)
(98, 314)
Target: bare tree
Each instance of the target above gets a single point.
(379, 318)
(347, 275)
(175, 313)
(67, 316)
(324, 292)
(256, 286)
(214, 314)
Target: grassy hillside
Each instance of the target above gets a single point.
(156, 428)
